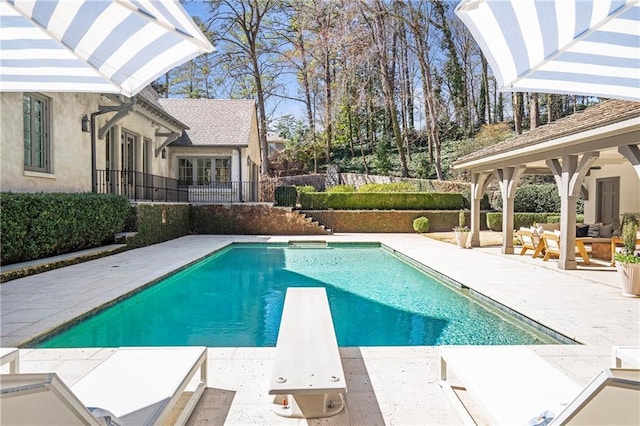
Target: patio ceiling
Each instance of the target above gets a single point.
(603, 128)
(96, 46)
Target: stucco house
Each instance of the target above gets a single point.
(594, 153)
(84, 142)
(218, 156)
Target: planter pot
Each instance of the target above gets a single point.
(630, 278)
(461, 238)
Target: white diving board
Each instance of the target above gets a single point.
(307, 380)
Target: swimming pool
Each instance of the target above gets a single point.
(235, 298)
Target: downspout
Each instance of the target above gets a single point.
(103, 110)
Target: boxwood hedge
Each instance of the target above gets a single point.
(36, 225)
(381, 201)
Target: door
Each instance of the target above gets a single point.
(608, 200)
(128, 151)
(146, 169)
(109, 182)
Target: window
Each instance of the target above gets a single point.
(185, 171)
(37, 142)
(223, 170)
(204, 170)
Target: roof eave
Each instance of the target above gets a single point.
(597, 138)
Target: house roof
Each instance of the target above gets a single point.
(148, 99)
(605, 113)
(212, 122)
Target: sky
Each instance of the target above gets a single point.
(276, 107)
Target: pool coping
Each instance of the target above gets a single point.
(406, 244)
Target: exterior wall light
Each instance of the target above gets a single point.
(164, 152)
(85, 124)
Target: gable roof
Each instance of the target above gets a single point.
(212, 122)
(605, 113)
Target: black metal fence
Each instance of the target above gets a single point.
(140, 186)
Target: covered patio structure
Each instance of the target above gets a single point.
(583, 152)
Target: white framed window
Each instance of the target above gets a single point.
(36, 120)
(204, 170)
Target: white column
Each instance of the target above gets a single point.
(569, 174)
(508, 179)
(479, 183)
(235, 166)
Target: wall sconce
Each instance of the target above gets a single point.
(85, 124)
(164, 152)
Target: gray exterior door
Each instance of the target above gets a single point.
(608, 200)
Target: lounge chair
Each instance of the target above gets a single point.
(628, 356)
(552, 246)
(514, 386)
(530, 241)
(137, 386)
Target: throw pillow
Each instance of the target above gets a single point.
(594, 230)
(582, 230)
(606, 231)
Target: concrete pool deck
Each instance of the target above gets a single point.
(387, 385)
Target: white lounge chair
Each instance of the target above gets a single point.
(137, 386)
(514, 386)
(628, 356)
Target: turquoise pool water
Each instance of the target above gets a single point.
(235, 298)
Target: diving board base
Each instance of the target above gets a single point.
(308, 406)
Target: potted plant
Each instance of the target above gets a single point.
(628, 259)
(461, 231)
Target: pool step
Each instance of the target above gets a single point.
(308, 244)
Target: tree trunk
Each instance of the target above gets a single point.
(534, 111)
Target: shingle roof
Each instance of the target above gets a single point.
(219, 122)
(604, 113)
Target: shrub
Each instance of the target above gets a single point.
(45, 224)
(339, 189)
(381, 201)
(494, 219)
(389, 187)
(421, 224)
(285, 196)
(305, 188)
(160, 222)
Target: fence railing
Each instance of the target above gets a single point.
(140, 186)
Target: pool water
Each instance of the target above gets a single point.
(235, 298)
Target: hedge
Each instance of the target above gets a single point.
(160, 222)
(37, 225)
(538, 198)
(494, 219)
(382, 201)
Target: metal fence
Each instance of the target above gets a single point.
(140, 186)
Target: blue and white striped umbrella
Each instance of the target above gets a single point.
(97, 46)
(585, 47)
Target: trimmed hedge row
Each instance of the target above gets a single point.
(494, 219)
(381, 201)
(160, 222)
(36, 225)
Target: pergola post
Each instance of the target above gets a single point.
(631, 153)
(508, 179)
(569, 175)
(479, 183)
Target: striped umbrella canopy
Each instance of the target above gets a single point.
(585, 47)
(97, 46)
